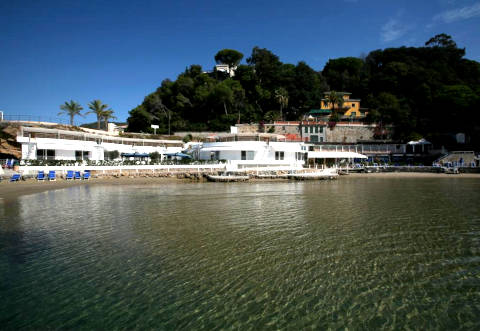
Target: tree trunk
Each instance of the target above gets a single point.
(71, 120)
(98, 123)
(225, 107)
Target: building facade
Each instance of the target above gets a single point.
(52, 144)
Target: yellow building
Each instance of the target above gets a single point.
(350, 108)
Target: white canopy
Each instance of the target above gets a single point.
(335, 155)
(419, 142)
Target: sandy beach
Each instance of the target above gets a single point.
(11, 190)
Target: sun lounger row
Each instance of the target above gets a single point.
(70, 175)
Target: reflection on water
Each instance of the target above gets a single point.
(357, 252)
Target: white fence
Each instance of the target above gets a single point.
(32, 170)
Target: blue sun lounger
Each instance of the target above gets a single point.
(86, 175)
(15, 178)
(77, 175)
(69, 175)
(51, 175)
(41, 175)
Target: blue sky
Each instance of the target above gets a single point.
(119, 51)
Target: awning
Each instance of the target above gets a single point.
(335, 155)
(419, 142)
(135, 155)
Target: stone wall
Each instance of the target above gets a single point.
(340, 133)
(344, 133)
(278, 128)
(247, 128)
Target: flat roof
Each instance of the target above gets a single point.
(96, 136)
(320, 111)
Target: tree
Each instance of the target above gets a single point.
(267, 66)
(281, 95)
(98, 108)
(157, 105)
(72, 109)
(345, 74)
(336, 101)
(441, 40)
(229, 56)
(107, 115)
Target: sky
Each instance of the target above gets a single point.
(120, 51)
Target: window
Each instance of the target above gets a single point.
(40, 154)
(353, 105)
(316, 129)
(244, 155)
(314, 138)
(279, 155)
(299, 156)
(353, 114)
(306, 129)
(311, 129)
(81, 155)
(321, 129)
(321, 139)
(45, 154)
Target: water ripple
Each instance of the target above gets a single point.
(352, 253)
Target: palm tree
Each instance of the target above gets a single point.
(281, 95)
(97, 108)
(107, 115)
(336, 99)
(72, 109)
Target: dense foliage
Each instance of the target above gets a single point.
(429, 91)
(263, 89)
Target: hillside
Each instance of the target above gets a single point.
(430, 91)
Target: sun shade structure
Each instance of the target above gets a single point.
(335, 155)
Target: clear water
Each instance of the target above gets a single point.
(361, 253)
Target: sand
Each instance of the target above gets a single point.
(11, 190)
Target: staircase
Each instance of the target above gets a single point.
(458, 159)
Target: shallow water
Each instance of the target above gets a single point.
(361, 253)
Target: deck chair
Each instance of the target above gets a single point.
(41, 175)
(86, 175)
(51, 175)
(69, 175)
(77, 175)
(15, 178)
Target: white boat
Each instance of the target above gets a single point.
(321, 174)
(227, 178)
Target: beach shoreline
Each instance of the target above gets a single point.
(12, 190)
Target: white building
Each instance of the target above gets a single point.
(226, 68)
(51, 144)
(251, 154)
